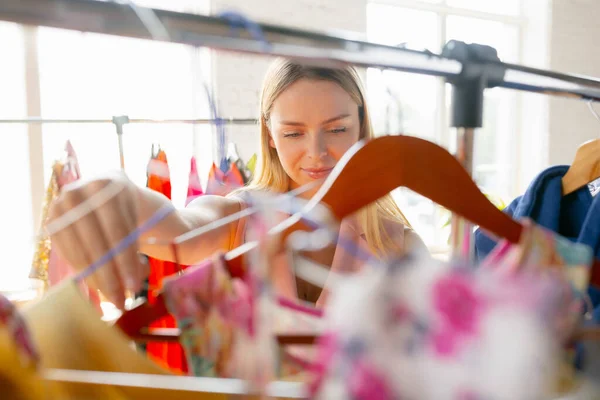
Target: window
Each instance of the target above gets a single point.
(16, 235)
(420, 105)
(141, 79)
(92, 76)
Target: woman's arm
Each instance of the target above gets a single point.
(200, 212)
(88, 238)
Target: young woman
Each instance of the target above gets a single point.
(309, 118)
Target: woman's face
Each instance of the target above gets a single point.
(312, 123)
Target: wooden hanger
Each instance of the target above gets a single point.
(585, 167)
(368, 171)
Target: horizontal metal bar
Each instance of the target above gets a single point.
(199, 30)
(35, 120)
(327, 49)
(552, 83)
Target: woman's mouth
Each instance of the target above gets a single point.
(317, 173)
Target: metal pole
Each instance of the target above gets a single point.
(461, 230)
(327, 49)
(119, 121)
(467, 115)
(38, 120)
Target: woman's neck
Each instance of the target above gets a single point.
(305, 194)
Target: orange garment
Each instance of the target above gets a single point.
(222, 183)
(170, 355)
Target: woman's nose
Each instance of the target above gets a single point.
(318, 147)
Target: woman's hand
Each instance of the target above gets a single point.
(104, 211)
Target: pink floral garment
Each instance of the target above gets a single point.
(218, 318)
(419, 329)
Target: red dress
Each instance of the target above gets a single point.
(170, 355)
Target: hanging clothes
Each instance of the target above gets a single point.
(575, 216)
(170, 355)
(243, 169)
(48, 266)
(234, 158)
(69, 335)
(209, 308)
(218, 319)
(251, 165)
(433, 330)
(222, 183)
(194, 186)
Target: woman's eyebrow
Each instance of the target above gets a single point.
(293, 123)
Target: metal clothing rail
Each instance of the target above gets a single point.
(120, 121)
(328, 49)
(37, 120)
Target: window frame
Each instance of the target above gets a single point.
(520, 172)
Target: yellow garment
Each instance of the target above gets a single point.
(18, 380)
(69, 334)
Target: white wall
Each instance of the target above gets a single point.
(575, 48)
(238, 78)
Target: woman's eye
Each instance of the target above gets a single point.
(291, 134)
(338, 130)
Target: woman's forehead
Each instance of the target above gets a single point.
(310, 101)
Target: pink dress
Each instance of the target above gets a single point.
(66, 172)
(194, 186)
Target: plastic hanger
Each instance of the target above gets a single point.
(586, 166)
(156, 149)
(232, 152)
(395, 161)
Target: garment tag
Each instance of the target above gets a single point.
(594, 187)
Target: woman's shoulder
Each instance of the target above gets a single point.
(413, 243)
(400, 233)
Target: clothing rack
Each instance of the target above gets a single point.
(469, 68)
(121, 120)
(119, 19)
(39, 120)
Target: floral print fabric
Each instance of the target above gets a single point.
(218, 318)
(209, 307)
(431, 330)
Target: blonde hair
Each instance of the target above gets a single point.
(271, 176)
